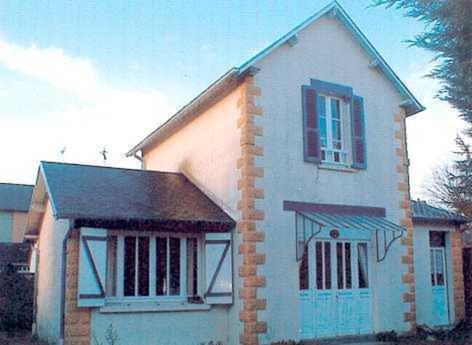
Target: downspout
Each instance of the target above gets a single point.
(36, 251)
(63, 281)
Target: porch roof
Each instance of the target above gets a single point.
(359, 222)
(116, 198)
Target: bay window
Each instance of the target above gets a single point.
(152, 266)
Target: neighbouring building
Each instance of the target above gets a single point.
(273, 206)
(14, 205)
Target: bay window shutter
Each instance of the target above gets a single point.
(92, 267)
(311, 126)
(218, 268)
(359, 154)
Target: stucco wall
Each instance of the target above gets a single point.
(19, 224)
(52, 233)
(164, 328)
(325, 51)
(423, 272)
(6, 225)
(206, 150)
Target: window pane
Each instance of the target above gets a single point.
(143, 266)
(347, 265)
(319, 266)
(161, 266)
(174, 247)
(339, 263)
(129, 266)
(335, 109)
(323, 131)
(322, 106)
(111, 266)
(336, 157)
(304, 274)
(327, 251)
(336, 130)
(192, 267)
(363, 266)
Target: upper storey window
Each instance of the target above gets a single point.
(331, 111)
(334, 129)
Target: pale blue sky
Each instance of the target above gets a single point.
(87, 74)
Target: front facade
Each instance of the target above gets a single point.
(301, 156)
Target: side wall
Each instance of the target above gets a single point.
(48, 316)
(455, 278)
(328, 52)
(206, 150)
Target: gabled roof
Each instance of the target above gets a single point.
(421, 211)
(410, 103)
(114, 196)
(15, 197)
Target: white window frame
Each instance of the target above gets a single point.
(329, 150)
(182, 297)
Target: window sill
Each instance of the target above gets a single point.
(147, 306)
(337, 167)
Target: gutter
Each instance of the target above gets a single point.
(63, 282)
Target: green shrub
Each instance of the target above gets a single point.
(16, 301)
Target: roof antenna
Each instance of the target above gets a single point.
(62, 151)
(104, 154)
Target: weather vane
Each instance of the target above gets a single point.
(104, 154)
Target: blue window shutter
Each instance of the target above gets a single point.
(311, 126)
(359, 154)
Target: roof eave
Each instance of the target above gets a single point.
(438, 220)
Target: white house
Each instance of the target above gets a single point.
(273, 206)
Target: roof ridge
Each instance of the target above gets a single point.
(114, 168)
(17, 184)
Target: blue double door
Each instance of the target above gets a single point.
(336, 297)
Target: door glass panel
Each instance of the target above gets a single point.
(304, 273)
(433, 271)
(362, 264)
(439, 268)
(327, 251)
(347, 265)
(339, 264)
(143, 266)
(319, 265)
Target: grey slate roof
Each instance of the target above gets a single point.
(423, 211)
(15, 197)
(103, 193)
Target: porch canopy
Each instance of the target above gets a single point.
(125, 199)
(359, 221)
